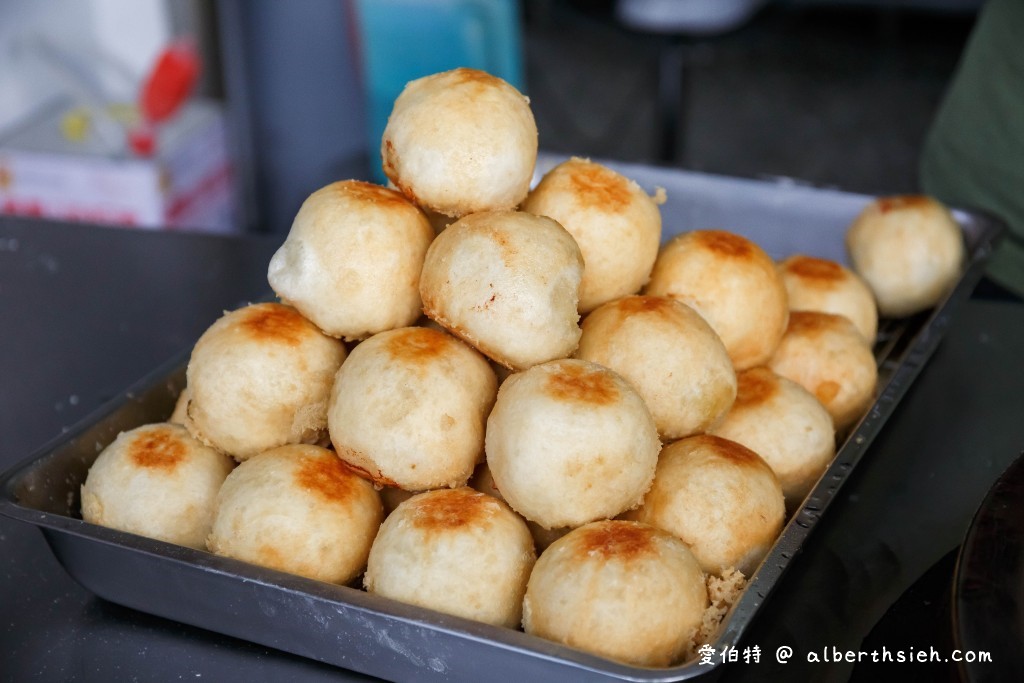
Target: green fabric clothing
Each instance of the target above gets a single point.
(974, 153)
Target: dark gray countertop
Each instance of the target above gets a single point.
(86, 311)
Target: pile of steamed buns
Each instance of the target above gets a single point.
(605, 485)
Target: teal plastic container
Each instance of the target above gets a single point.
(402, 40)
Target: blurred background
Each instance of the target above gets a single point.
(223, 115)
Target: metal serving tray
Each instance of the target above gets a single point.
(347, 627)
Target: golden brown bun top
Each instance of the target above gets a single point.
(903, 207)
(596, 185)
(323, 474)
(371, 193)
(580, 382)
(756, 386)
(274, 323)
(419, 345)
(728, 450)
(158, 449)
(334, 198)
(618, 539)
(659, 306)
(726, 244)
(910, 202)
(450, 509)
(821, 271)
(464, 75)
(647, 307)
(812, 323)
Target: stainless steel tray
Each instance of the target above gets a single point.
(349, 628)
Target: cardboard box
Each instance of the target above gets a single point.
(185, 185)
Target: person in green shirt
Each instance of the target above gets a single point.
(973, 155)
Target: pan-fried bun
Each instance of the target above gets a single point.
(730, 281)
(619, 589)
(156, 481)
(910, 251)
(826, 355)
(457, 551)
(783, 423)
(351, 262)
(297, 509)
(670, 354)
(616, 223)
(461, 141)
(816, 284)
(408, 409)
(260, 377)
(569, 442)
(508, 283)
(720, 498)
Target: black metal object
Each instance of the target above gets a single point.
(988, 587)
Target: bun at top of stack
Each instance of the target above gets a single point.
(461, 141)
